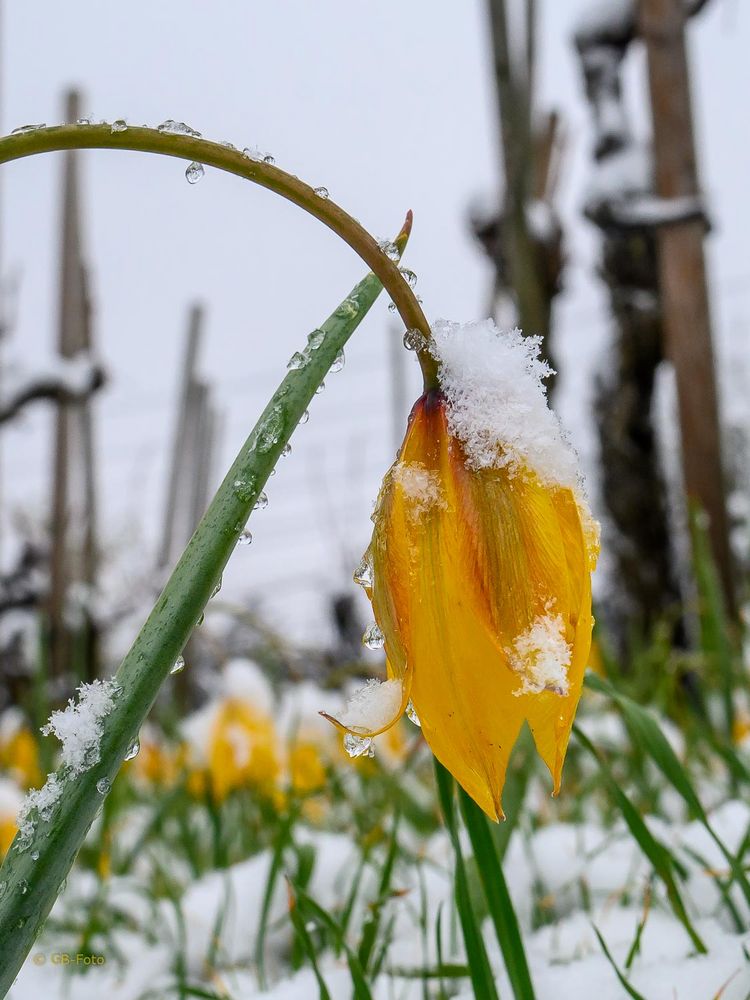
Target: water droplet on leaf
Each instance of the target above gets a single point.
(296, 361)
(338, 362)
(23, 886)
(321, 192)
(120, 125)
(178, 128)
(133, 750)
(27, 128)
(34, 855)
(194, 172)
(409, 276)
(414, 340)
(262, 502)
(389, 249)
(286, 450)
(103, 785)
(245, 538)
(179, 665)
(315, 339)
(305, 417)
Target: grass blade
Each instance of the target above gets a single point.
(30, 887)
(631, 992)
(479, 966)
(498, 898)
(655, 851)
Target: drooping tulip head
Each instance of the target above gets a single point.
(479, 568)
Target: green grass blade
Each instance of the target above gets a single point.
(308, 946)
(646, 732)
(631, 992)
(498, 898)
(481, 972)
(655, 851)
(31, 886)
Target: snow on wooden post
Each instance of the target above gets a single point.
(72, 523)
(682, 272)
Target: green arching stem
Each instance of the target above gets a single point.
(30, 878)
(46, 139)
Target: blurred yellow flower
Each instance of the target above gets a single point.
(479, 570)
(19, 752)
(242, 749)
(307, 771)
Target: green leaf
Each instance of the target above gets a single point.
(479, 966)
(662, 861)
(498, 898)
(623, 981)
(161, 640)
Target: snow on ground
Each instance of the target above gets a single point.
(590, 878)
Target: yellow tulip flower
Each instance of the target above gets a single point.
(479, 573)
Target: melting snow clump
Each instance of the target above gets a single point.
(79, 729)
(420, 485)
(373, 706)
(79, 726)
(541, 656)
(497, 404)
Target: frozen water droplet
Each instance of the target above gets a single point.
(179, 665)
(363, 574)
(315, 339)
(27, 128)
(373, 638)
(286, 450)
(194, 172)
(252, 153)
(229, 145)
(271, 430)
(243, 488)
(200, 620)
(389, 249)
(245, 538)
(338, 362)
(348, 308)
(178, 128)
(391, 307)
(85, 120)
(133, 750)
(320, 388)
(34, 855)
(305, 417)
(103, 785)
(23, 886)
(217, 588)
(262, 502)
(411, 713)
(358, 746)
(268, 158)
(321, 192)
(409, 276)
(414, 340)
(296, 361)
(120, 125)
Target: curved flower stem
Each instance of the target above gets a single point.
(34, 868)
(45, 139)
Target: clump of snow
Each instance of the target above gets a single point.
(79, 726)
(421, 486)
(40, 801)
(541, 656)
(373, 706)
(79, 729)
(497, 404)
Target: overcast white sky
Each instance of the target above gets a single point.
(388, 104)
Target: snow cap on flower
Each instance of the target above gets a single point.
(479, 566)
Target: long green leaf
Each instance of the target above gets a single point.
(648, 735)
(498, 898)
(29, 887)
(479, 966)
(655, 851)
(630, 990)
